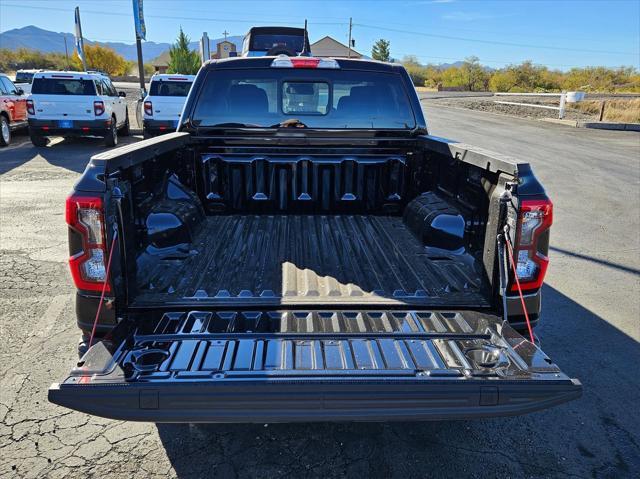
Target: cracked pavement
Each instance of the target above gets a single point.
(591, 327)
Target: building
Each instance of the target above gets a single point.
(224, 49)
(330, 47)
(161, 64)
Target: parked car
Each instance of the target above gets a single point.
(76, 104)
(164, 103)
(272, 41)
(302, 250)
(24, 78)
(13, 109)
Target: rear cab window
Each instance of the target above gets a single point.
(267, 97)
(24, 77)
(62, 86)
(169, 88)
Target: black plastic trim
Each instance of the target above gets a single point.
(359, 399)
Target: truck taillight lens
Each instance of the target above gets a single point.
(148, 108)
(532, 246)
(31, 108)
(85, 217)
(98, 108)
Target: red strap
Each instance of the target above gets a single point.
(515, 275)
(104, 288)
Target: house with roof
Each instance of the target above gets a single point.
(330, 47)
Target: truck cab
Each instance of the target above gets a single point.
(301, 249)
(272, 41)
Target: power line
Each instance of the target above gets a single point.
(168, 17)
(490, 42)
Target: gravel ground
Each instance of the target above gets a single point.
(488, 104)
(590, 327)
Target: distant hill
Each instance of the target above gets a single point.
(47, 41)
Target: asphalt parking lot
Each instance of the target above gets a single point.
(591, 327)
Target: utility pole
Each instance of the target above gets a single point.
(140, 64)
(66, 51)
(350, 27)
(141, 34)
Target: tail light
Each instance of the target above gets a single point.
(98, 108)
(31, 108)
(148, 108)
(532, 246)
(85, 217)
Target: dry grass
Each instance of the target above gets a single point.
(621, 111)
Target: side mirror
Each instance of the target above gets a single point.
(122, 94)
(19, 91)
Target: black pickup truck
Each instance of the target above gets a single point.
(301, 249)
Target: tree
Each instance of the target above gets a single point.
(103, 59)
(182, 59)
(12, 60)
(381, 50)
(476, 77)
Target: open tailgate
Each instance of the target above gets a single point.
(282, 366)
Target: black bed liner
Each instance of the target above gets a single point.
(318, 259)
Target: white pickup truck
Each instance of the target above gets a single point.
(163, 105)
(75, 104)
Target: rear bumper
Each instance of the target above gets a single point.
(308, 400)
(18, 125)
(77, 128)
(159, 127)
(86, 309)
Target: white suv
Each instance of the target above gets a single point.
(75, 104)
(163, 105)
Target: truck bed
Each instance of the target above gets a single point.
(291, 259)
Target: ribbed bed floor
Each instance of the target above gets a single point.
(290, 259)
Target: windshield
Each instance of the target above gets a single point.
(314, 98)
(63, 86)
(24, 77)
(265, 42)
(169, 88)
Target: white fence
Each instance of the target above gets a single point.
(560, 108)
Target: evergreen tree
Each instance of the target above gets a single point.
(381, 50)
(182, 59)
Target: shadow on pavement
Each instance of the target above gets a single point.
(595, 436)
(602, 262)
(71, 153)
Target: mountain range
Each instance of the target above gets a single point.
(47, 41)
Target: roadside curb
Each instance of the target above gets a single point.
(609, 126)
(594, 124)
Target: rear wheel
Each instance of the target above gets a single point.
(111, 137)
(5, 131)
(38, 140)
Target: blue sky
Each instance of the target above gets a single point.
(560, 34)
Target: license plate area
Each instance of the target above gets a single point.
(65, 123)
